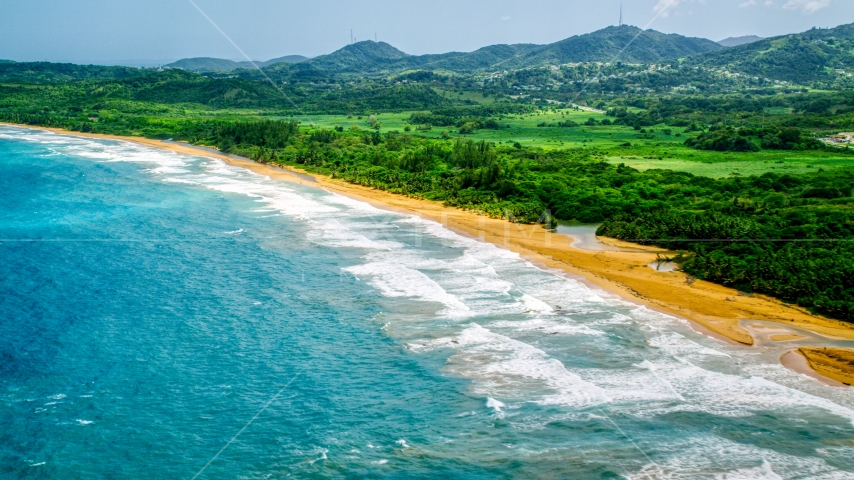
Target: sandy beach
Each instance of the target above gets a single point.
(833, 363)
(713, 309)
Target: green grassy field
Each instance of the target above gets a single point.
(523, 129)
(389, 121)
(738, 166)
(653, 149)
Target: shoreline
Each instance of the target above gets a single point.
(796, 361)
(709, 308)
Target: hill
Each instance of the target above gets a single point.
(362, 58)
(625, 44)
(207, 64)
(366, 55)
(45, 72)
(285, 59)
(466, 62)
(736, 41)
(176, 86)
(817, 55)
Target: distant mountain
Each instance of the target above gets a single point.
(481, 59)
(736, 41)
(357, 56)
(207, 64)
(285, 59)
(814, 55)
(624, 43)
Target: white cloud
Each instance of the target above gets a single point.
(664, 7)
(505, 18)
(807, 7)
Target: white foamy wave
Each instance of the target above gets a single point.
(534, 305)
(640, 389)
(547, 325)
(357, 207)
(696, 389)
(333, 233)
(719, 458)
(275, 195)
(504, 367)
(396, 280)
(763, 472)
(677, 345)
(180, 180)
(494, 404)
(167, 169)
(164, 162)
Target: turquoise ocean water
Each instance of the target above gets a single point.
(166, 316)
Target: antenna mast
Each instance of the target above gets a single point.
(621, 14)
(351, 35)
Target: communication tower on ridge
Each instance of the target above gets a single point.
(621, 14)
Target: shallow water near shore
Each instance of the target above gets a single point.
(154, 304)
(584, 238)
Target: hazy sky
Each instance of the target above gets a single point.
(117, 31)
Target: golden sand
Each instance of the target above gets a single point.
(715, 308)
(785, 338)
(834, 363)
(795, 361)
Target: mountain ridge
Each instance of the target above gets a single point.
(737, 41)
(813, 55)
(624, 43)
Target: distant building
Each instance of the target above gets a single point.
(843, 138)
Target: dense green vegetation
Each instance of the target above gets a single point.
(175, 87)
(749, 140)
(44, 72)
(724, 168)
(791, 237)
(823, 56)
